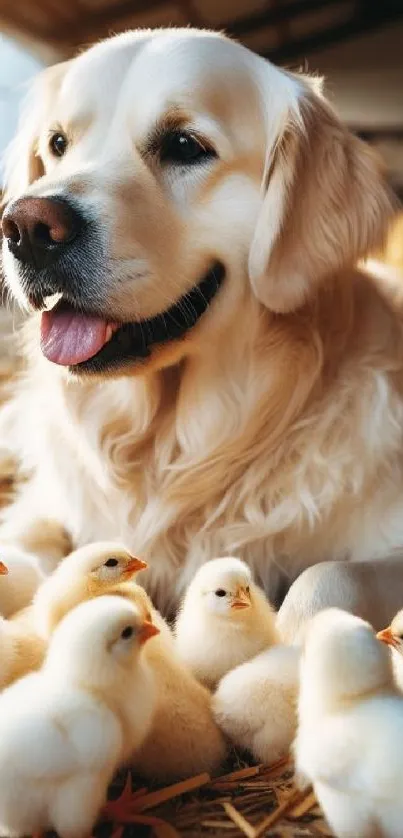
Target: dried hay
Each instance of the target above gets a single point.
(249, 802)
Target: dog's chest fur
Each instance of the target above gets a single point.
(181, 472)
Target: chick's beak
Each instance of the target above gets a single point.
(242, 599)
(387, 636)
(3, 569)
(147, 631)
(134, 566)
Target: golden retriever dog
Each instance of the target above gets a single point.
(208, 372)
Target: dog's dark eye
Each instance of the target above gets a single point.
(127, 632)
(248, 590)
(58, 144)
(111, 563)
(181, 147)
(220, 592)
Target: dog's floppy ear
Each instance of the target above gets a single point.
(326, 206)
(22, 163)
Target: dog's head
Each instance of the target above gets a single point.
(159, 178)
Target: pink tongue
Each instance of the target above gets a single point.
(69, 338)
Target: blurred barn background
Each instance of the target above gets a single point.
(356, 44)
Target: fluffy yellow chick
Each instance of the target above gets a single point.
(350, 727)
(184, 738)
(65, 729)
(256, 703)
(136, 594)
(84, 574)
(21, 579)
(224, 620)
(20, 652)
(393, 637)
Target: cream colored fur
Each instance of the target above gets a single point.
(274, 431)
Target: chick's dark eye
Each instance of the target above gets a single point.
(58, 144)
(183, 148)
(111, 563)
(127, 632)
(220, 592)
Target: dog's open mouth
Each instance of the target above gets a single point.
(86, 342)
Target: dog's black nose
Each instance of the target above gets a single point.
(38, 230)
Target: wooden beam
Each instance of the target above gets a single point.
(110, 16)
(99, 21)
(279, 13)
(366, 15)
(387, 12)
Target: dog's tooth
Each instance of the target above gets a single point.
(109, 333)
(51, 300)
